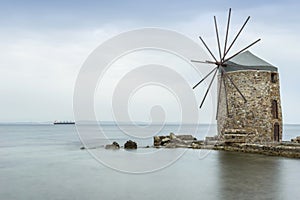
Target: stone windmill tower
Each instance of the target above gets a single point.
(248, 107)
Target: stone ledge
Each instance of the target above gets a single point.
(279, 149)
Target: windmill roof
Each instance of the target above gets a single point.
(248, 61)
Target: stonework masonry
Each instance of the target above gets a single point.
(259, 119)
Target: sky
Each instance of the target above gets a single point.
(45, 43)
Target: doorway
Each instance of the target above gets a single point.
(276, 132)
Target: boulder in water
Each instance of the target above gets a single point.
(113, 146)
(130, 145)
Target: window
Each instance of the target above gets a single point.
(273, 77)
(274, 109)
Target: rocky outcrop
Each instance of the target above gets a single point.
(113, 146)
(177, 141)
(130, 145)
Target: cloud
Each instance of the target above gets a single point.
(39, 69)
(42, 51)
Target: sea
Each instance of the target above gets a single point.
(44, 161)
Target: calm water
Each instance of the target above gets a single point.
(44, 162)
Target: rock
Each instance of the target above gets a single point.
(164, 141)
(195, 146)
(116, 144)
(113, 146)
(178, 141)
(130, 145)
(296, 140)
(171, 145)
(174, 141)
(172, 136)
(157, 141)
(293, 140)
(186, 137)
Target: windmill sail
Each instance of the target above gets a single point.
(224, 62)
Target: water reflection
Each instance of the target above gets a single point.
(248, 176)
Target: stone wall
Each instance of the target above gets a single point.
(254, 120)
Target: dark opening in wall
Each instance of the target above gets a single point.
(273, 77)
(276, 132)
(274, 109)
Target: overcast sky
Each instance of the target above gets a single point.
(45, 43)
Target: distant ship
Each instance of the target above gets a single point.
(62, 122)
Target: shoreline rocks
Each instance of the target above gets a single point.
(284, 149)
(296, 140)
(113, 146)
(177, 141)
(130, 145)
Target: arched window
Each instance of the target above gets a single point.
(274, 109)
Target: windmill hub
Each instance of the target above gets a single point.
(219, 63)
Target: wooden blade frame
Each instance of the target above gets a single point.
(225, 74)
(212, 80)
(205, 77)
(222, 63)
(219, 94)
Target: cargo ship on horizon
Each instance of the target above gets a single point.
(63, 122)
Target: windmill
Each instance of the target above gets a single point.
(222, 62)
